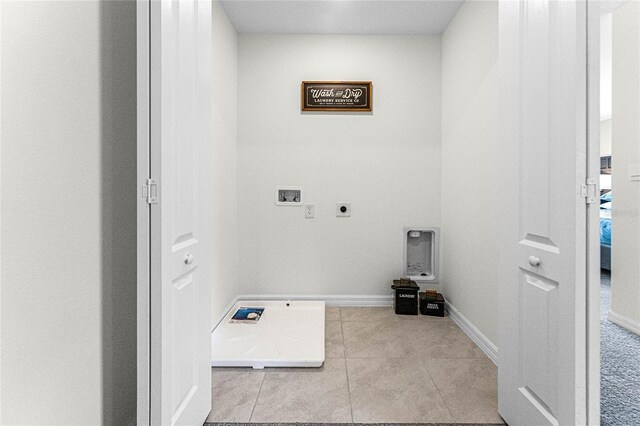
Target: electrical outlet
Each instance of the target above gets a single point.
(309, 211)
(343, 209)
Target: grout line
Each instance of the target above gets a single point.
(346, 369)
(424, 367)
(257, 396)
(344, 347)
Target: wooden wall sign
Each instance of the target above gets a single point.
(346, 96)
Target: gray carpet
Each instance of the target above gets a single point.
(351, 424)
(620, 367)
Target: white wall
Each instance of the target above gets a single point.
(625, 261)
(68, 188)
(605, 138)
(606, 23)
(606, 27)
(224, 216)
(470, 171)
(387, 163)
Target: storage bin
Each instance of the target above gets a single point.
(405, 300)
(432, 306)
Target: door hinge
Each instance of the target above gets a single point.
(150, 191)
(589, 191)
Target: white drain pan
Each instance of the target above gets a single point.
(289, 334)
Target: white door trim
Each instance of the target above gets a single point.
(143, 215)
(0, 220)
(593, 215)
(155, 224)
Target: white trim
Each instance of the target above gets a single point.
(624, 322)
(593, 215)
(0, 228)
(329, 300)
(143, 308)
(474, 334)
(225, 312)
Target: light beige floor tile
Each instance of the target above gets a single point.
(305, 395)
(387, 390)
(334, 345)
(397, 339)
(368, 314)
(424, 318)
(384, 314)
(469, 388)
(389, 361)
(446, 340)
(332, 313)
(233, 393)
(384, 339)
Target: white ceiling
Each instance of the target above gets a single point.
(341, 16)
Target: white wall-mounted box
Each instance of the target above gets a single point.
(421, 253)
(288, 196)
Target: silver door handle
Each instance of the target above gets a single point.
(534, 261)
(188, 259)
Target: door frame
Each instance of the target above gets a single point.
(143, 290)
(595, 9)
(144, 246)
(593, 215)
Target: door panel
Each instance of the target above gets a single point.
(539, 317)
(543, 257)
(180, 45)
(184, 368)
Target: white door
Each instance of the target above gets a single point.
(542, 369)
(180, 116)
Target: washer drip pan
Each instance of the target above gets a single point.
(288, 334)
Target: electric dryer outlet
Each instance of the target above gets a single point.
(343, 209)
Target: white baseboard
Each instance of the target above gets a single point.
(330, 300)
(474, 334)
(624, 322)
(225, 312)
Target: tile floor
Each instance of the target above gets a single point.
(379, 368)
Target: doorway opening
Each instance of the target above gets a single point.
(619, 215)
(406, 164)
(420, 156)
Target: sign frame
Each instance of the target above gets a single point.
(367, 85)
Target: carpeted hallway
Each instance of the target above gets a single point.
(620, 367)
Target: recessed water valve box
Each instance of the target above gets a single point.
(288, 196)
(421, 248)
